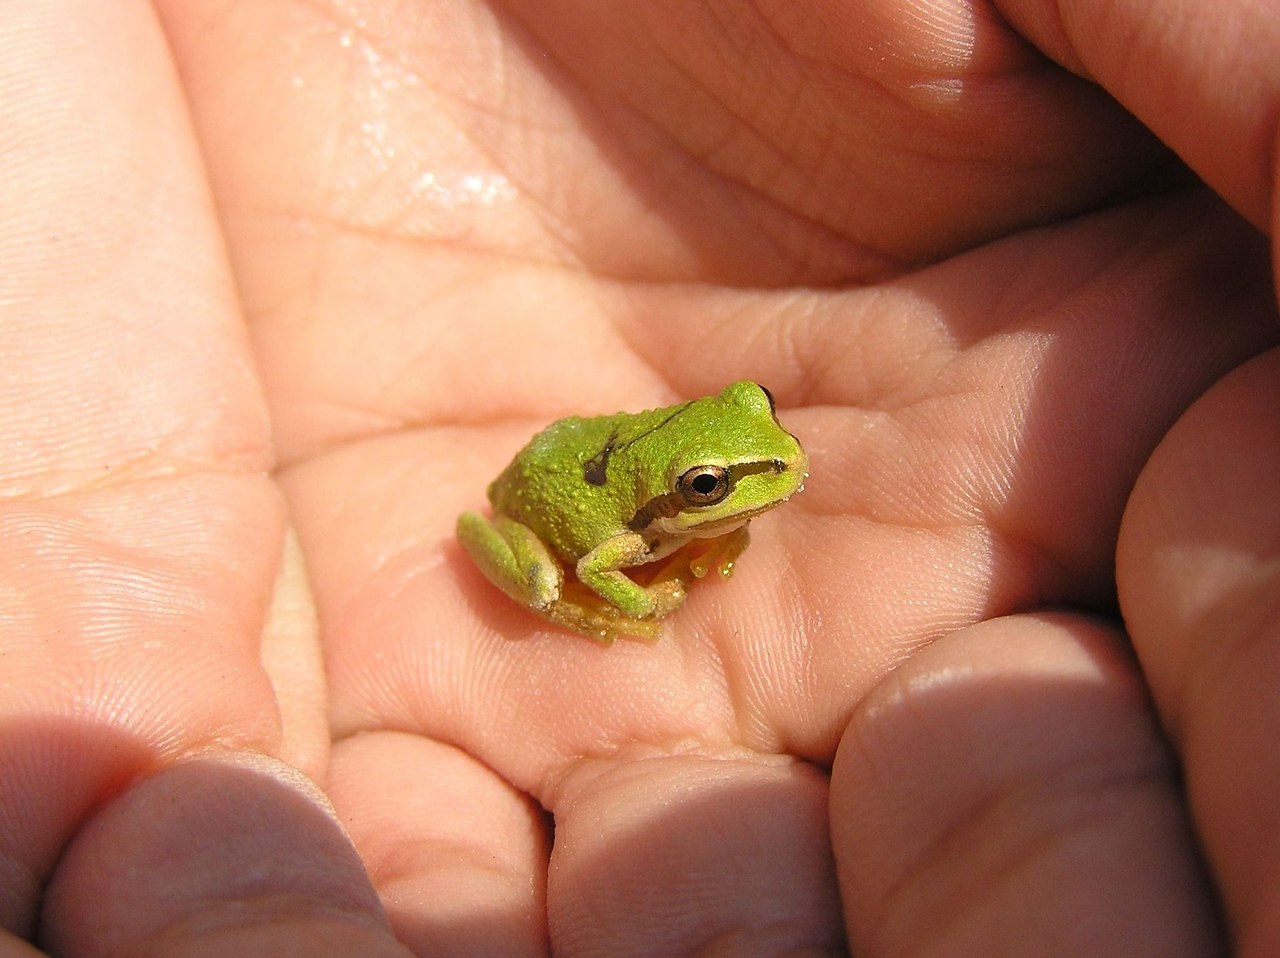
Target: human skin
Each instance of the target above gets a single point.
(1001, 681)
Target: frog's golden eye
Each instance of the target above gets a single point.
(703, 485)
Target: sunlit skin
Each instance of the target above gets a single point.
(285, 286)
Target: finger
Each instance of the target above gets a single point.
(292, 657)
(1198, 576)
(692, 854)
(1204, 76)
(140, 530)
(11, 947)
(224, 856)
(458, 856)
(1008, 792)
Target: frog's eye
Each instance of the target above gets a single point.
(703, 485)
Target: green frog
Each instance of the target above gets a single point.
(601, 524)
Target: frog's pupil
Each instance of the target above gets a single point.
(705, 484)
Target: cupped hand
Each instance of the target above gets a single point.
(1022, 344)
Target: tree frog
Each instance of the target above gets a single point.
(665, 494)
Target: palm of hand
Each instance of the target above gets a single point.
(441, 248)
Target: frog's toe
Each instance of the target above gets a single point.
(667, 597)
(544, 584)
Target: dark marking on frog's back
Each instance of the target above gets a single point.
(595, 470)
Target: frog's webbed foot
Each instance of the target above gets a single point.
(582, 611)
(698, 557)
(617, 603)
(665, 583)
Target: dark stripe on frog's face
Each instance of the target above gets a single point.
(670, 504)
(595, 471)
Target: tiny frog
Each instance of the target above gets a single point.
(665, 494)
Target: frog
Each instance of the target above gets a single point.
(602, 524)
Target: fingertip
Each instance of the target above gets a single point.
(1007, 787)
(1198, 581)
(458, 855)
(694, 853)
(218, 855)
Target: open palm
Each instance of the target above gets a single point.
(911, 723)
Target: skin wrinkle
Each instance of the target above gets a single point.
(780, 156)
(549, 220)
(563, 236)
(147, 466)
(551, 223)
(978, 819)
(1048, 36)
(1126, 58)
(446, 661)
(696, 158)
(782, 252)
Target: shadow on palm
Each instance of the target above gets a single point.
(974, 426)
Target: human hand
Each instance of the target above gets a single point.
(451, 224)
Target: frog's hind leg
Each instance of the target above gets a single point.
(513, 558)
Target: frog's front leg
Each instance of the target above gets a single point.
(513, 558)
(600, 570)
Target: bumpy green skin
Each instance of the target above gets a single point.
(599, 495)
